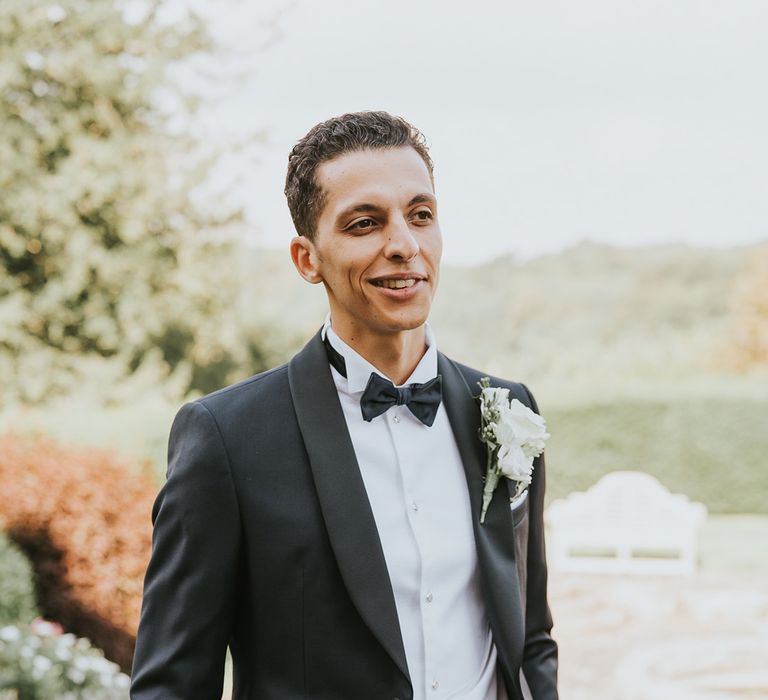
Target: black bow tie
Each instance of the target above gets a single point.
(423, 400)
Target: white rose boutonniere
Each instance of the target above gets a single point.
(513, 435)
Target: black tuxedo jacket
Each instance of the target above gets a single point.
(264, 540)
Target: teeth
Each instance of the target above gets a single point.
(396, 284)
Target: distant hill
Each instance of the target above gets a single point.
(594, 314)
(593, 318)
(620, 346)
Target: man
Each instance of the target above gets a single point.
(325, 524)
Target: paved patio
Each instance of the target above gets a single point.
(703, 637)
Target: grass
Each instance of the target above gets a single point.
(713, 450)
(734, 544)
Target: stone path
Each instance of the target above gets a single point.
(695, 638)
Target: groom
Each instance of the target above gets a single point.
(322, 519)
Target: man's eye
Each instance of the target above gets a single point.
(423, 215)
(362, 224)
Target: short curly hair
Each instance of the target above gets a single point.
(356, 131)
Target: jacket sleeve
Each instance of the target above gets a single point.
(189, 588)
(540, 654)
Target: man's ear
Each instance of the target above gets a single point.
(304, 257)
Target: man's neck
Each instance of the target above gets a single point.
(395, 355)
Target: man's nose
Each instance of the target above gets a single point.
(401, 243)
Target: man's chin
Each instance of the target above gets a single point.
(402, 325)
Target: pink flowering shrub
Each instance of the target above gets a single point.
(83, 519)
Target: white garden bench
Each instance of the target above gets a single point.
(627, 523)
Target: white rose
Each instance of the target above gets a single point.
(519, 425)
(515, 464)
(533, 447)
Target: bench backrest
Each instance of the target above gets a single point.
(626, 523)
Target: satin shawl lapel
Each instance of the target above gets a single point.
(343, 498)
(494, 538)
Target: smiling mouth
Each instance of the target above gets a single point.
(395, 284)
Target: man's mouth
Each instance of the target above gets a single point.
(395, 284)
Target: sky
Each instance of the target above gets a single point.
(549, 123)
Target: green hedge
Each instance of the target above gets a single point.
(713, 450)
(17, 585)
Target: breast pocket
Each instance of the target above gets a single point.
(520, 522)
(519, 507)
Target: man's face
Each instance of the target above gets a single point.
(378, 244)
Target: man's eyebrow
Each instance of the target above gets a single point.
(422, 199)
(365, 207)
(357, 209)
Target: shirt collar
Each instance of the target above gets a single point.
(359, 369)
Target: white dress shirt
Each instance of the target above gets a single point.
(417, 489)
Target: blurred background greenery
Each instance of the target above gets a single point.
(125, 291)
(651, 359)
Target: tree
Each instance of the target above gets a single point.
(100, 239)
(748, 345)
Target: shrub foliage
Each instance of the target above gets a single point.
(38, 662)
(748, 343)
(84, 521)
(17, 586)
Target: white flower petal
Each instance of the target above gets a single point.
(515, 464)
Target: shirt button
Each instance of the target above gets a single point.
(415, 505)
(395, 418)
(429, 597)
(435, 685)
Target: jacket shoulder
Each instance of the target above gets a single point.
(517, 390)
(272, 383)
